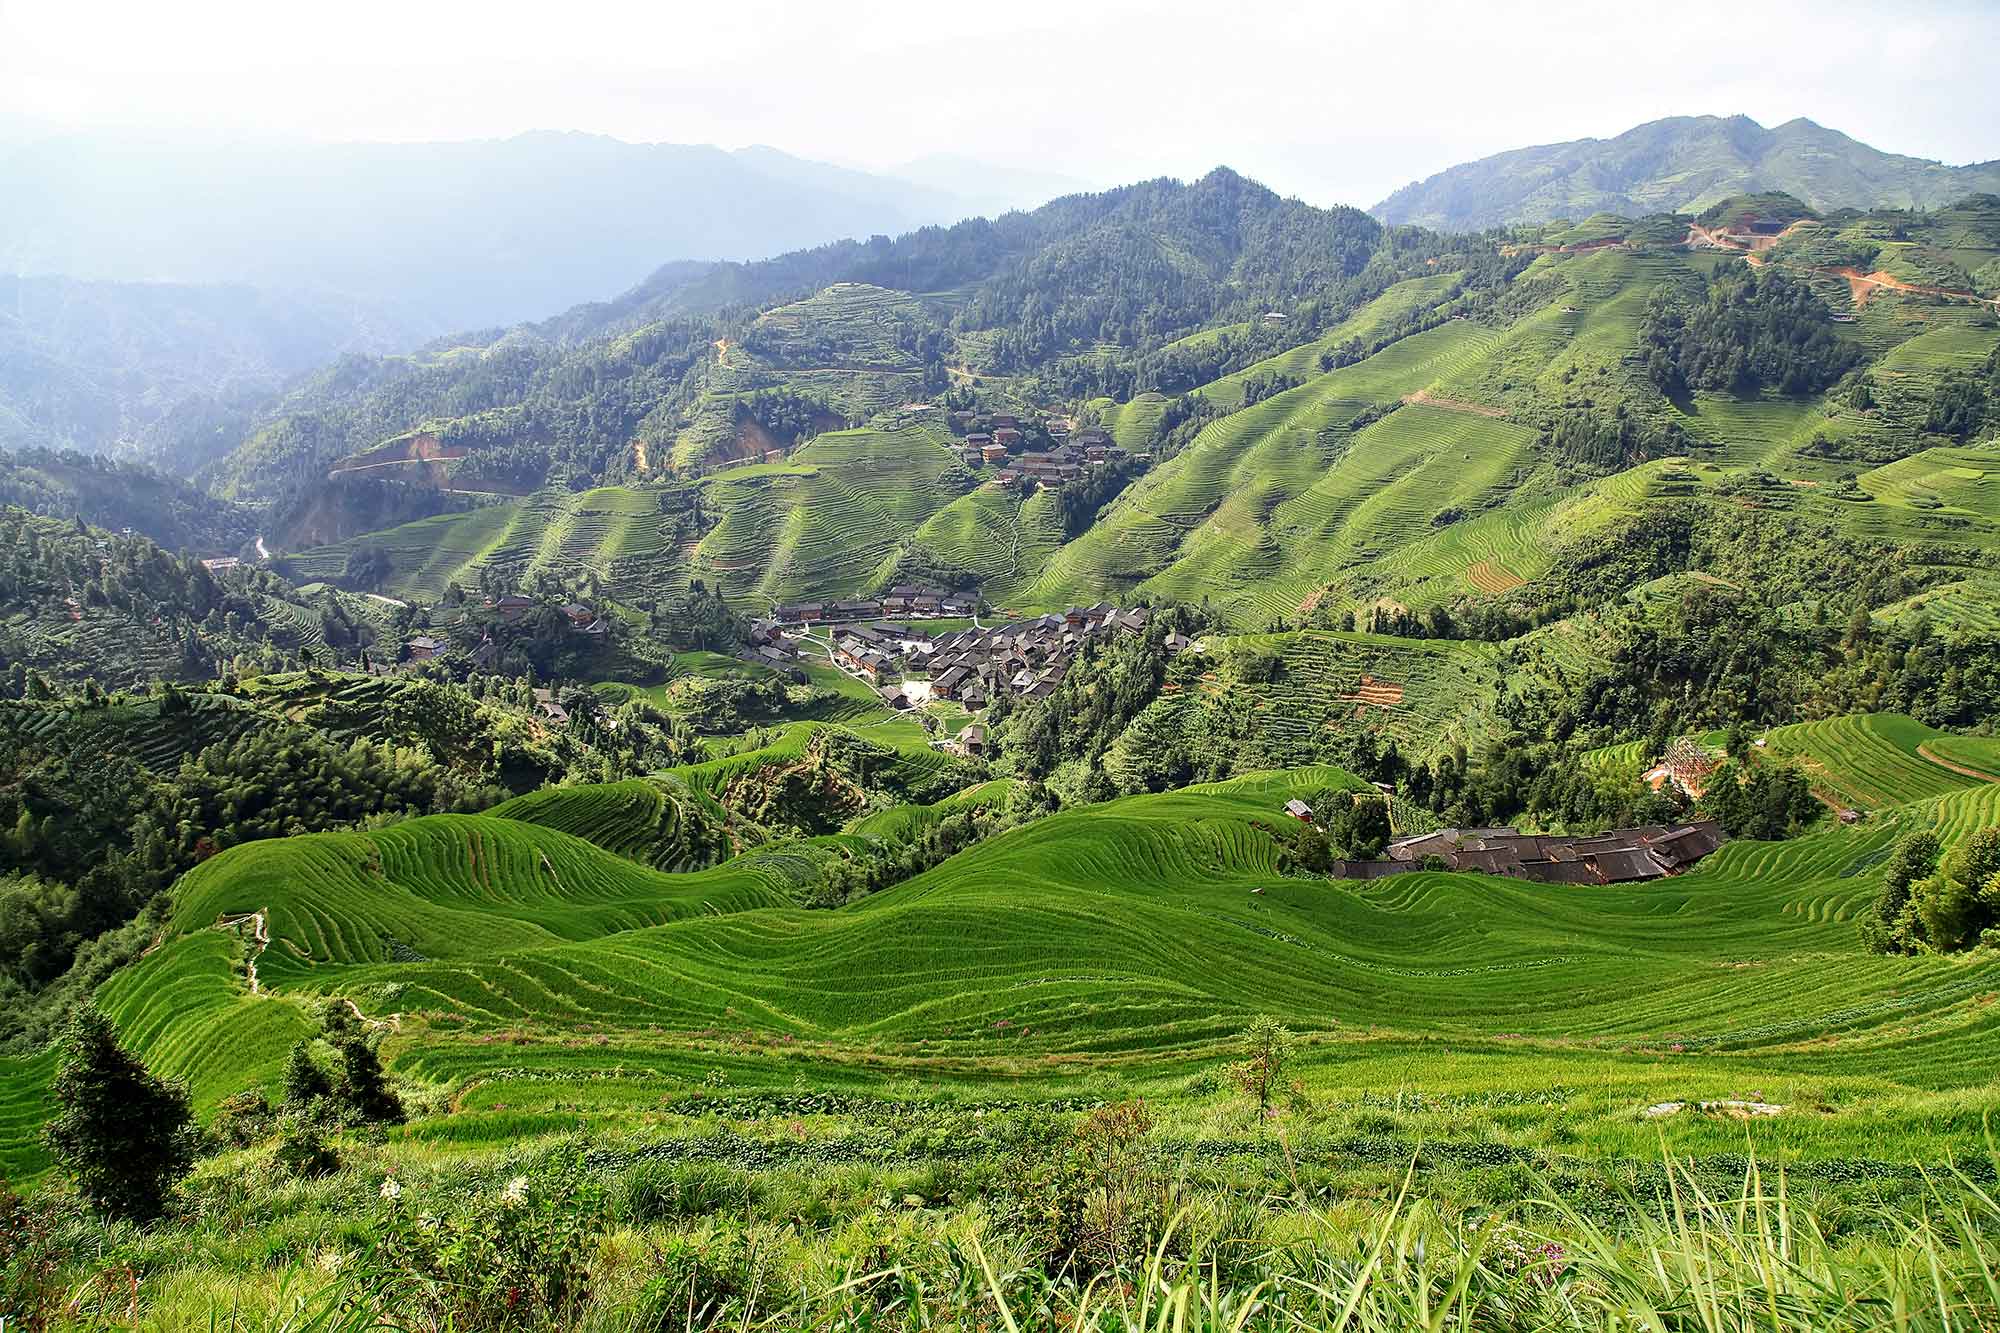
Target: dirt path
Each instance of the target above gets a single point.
(1428, 399)
(260, 935)
(1864, 285)
(1860, 286)
(1924, 751)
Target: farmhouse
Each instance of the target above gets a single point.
(1620, 856)
(799, 613)
(1299, 810)
(577, 613)
(423, 647)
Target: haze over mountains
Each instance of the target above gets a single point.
(1680, 164)
(452, 235)
(175, 287)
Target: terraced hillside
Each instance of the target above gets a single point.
(1314, 689)
(624, 536)
(1445, 463)
(1154, 921)
(1876, 760)
(1419, 473)
(831, 520)
(1229, 508)
(849, 325)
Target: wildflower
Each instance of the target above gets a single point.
(516, 1191)
(390, 1189)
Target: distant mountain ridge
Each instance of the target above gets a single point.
(1680, 164)
(168, 372)
(459, 235)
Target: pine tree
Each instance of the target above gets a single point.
(305, 1081)
(124, 1136)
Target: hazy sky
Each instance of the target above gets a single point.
(1333, 101)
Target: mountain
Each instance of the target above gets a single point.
(119, 494)
(664, 365)
(460, 235)
(1681, 164)
(169, 372)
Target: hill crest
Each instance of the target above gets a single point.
(1679, 164)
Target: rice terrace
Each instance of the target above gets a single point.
(1159, 756)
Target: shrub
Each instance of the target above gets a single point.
(699, 1279)
(1268, 1052)
(303, 1147)
(305, 1081)
(242, 1120)
(31, 1291)
(1086, 1198)
(358, 1092)
(516, 1258)
(124, 1136)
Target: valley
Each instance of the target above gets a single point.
(827, 791)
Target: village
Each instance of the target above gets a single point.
(971, 666)
(1002, 443)
(1616, 856)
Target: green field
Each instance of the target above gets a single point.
(617, 533)
(1874, 760)
(830, 521)
(1129, 932)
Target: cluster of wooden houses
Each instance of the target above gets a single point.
(902, 600)
(999, 442)
(512, 606)
(1023, 659)
(1617, 857)
(1026, 660)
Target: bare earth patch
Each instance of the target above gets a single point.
(1379, 693)
(1428, 399)
(1492, 577)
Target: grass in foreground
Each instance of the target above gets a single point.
(1085, 1228)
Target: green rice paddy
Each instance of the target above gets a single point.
(1137, 934)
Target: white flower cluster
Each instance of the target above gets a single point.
(516, 1191)
(390, 1189)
